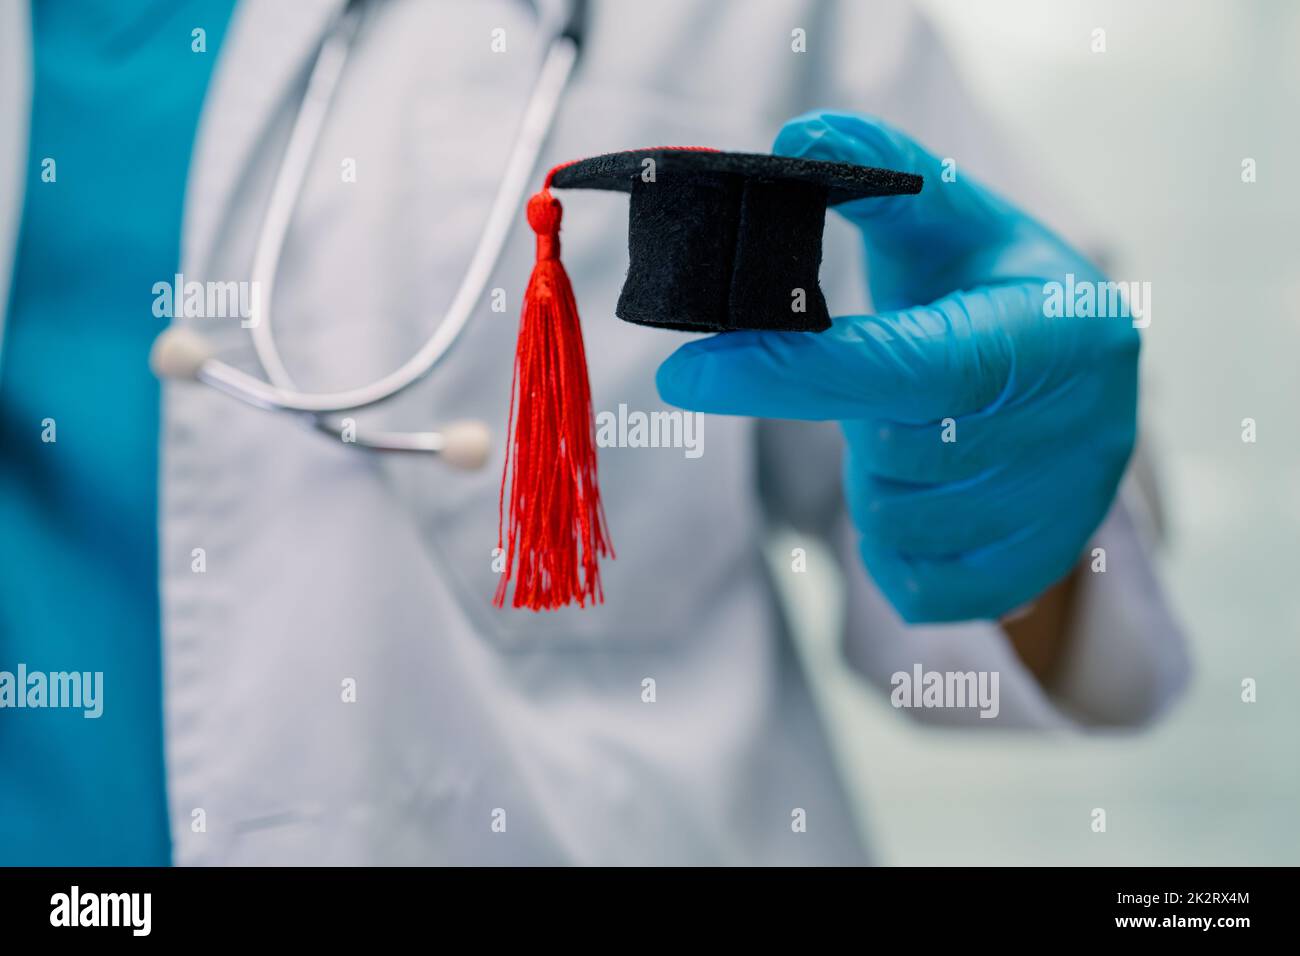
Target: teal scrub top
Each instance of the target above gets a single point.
(117, 90)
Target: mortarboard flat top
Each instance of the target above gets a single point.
(721, 241)
(844, 182)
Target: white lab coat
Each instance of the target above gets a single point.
(328, 567)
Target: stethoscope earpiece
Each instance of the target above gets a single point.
(179, 353)
(466, 444)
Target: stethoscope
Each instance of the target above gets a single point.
(182, 353)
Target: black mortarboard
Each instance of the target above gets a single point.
(717, 242)
(720, 241)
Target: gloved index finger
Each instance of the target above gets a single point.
(950, 213)
(916, 366)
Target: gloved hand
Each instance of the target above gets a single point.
(1040, 411)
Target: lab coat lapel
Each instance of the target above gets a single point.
(15, 114)
(265, 59)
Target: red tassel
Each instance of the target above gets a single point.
(556, 529)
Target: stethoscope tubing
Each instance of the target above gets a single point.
(553, 78)
(466, 441)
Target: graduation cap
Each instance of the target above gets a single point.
(717, 242)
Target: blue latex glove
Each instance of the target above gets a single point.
(1043, 410)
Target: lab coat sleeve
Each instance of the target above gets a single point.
(1124, 659)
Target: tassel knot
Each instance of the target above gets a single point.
(544, 215)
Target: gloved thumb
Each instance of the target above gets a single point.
(950, 216)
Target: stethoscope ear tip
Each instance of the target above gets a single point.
(179, 353)
(465, 444)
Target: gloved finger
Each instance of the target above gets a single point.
(955, 449)
(933, 453)
(946, 217)
(918, 365)
(935, 521)
(983, 584)
(923, 521)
